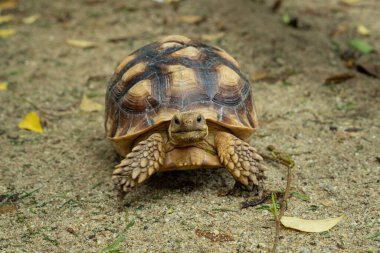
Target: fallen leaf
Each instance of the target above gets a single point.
(3, 85)
(80, 43)
(8, 208)
(88, 105)
(339, 78)
(6, 18)
(362, 30)
(314, 226)
(349, 2)
(342, 135)
(31, 19)
(369, 69)
(258, 76)
(214, 236)
(361, 46)
(191, 19)
(212, 37)
(8, 4)
(326, 202)
(31, 122)
(5, 33)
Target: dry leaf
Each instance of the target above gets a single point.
(214, 236)
(362, 30)
(3, 85)
(8, 4)
(6, 18)
(31, 19)
(88, 105)
(80, 43)
(261, 75)
(191, 19)
(8, 208)
(212, 37)
(369, 69)
(31, 122)
(349, 2)
(315, 226)
(5, 33)
(339, 78)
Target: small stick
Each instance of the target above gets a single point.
(289, 163)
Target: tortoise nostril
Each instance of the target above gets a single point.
(176, 120)
(199, 118)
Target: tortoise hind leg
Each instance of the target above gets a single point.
(240, 159)
(145, 159)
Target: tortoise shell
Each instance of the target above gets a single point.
(173, 75)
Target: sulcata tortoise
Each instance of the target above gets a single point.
(178, 104)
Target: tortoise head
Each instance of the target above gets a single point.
(187, 128)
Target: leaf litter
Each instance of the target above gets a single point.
(31, 122)
(88, 105)
(312, 226)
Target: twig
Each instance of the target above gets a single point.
(289, 163)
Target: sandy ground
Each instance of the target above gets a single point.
(56, 189)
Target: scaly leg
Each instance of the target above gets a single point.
(145, 159)
(241, 160)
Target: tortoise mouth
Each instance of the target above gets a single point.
(187, 138)
(187, 131)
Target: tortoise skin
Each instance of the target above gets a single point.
(173, 75)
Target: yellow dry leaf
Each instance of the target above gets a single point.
(315, 226)
(8, 4)
(31, 19)
(362, 30)
(191, 19)
(3, 85)
(350, 2)
(5, 33)
(6, 18)
(31, 122)
(88, 105)
(80, 43)
(212, 37)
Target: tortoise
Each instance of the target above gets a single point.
(179, 104)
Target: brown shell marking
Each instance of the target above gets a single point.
(172, 75)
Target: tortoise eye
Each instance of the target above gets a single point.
(176, 120)
(199, 118)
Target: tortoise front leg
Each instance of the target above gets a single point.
(145, 159)
(241, 160)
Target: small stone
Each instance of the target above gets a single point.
(156, 165)
(262, 245)
(304, 250)
(145, 154)
(257, 157)
(161, 161)
(134, 164)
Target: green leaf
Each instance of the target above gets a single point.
(114, 247)
(361, 46)
(301, 196)
(285, 19)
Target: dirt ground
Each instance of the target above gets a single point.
(56, 188)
